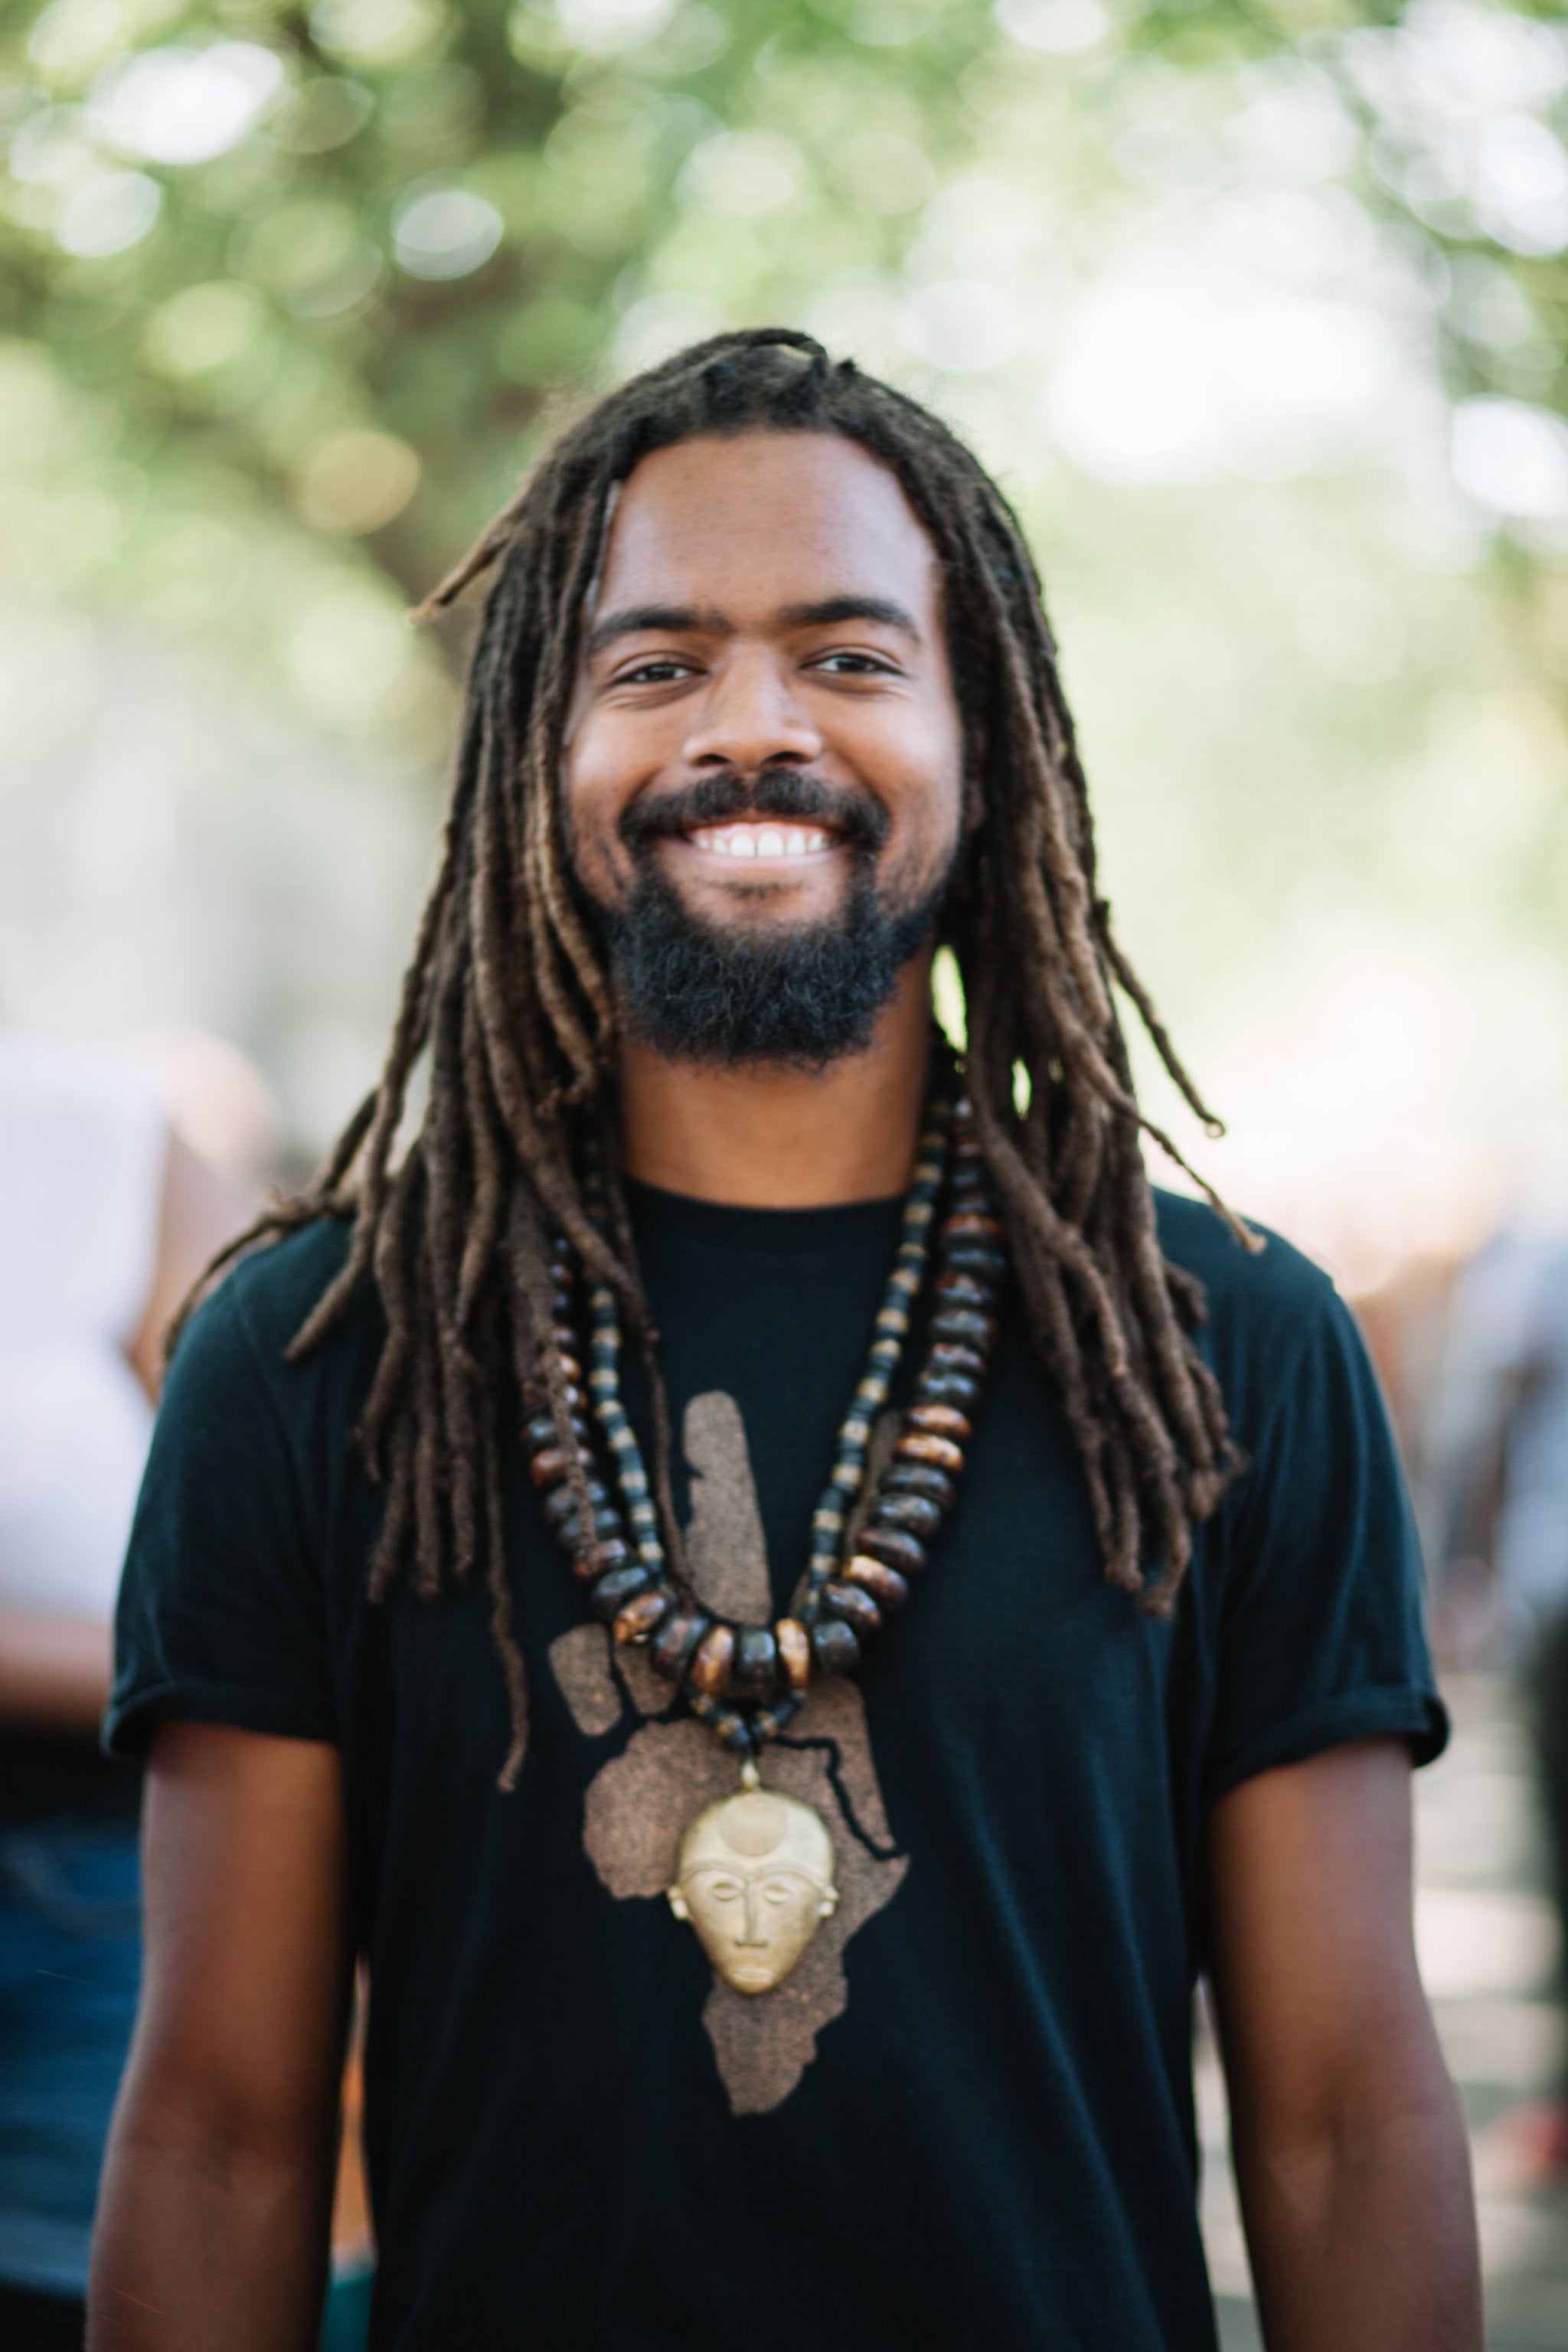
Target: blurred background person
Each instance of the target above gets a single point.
(1497, 1480)
(107, 1216)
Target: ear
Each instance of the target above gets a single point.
(677, 1902)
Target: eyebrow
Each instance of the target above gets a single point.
(851, 608)
(633, 619)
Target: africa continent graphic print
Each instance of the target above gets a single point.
(640, 1803)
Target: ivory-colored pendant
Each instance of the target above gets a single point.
(755, 1880)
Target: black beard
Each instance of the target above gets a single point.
(786, 994)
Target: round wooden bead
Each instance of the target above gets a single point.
(612, 1592)
(548, 1467)
(938, 1420)
(920, 1445)
(755, 1670)
(709, 1671)
(644, 1615)
(856, 1607)
(795, 1651)
(948, 1356)
(917, 1478)
(916, 1514)
(834, 1646)
(611, 1551)
(899, 1550)
(608, 1526)
(561, 1510)
(957, 1389)
(560, 1504)
(672, 1646)
(885, 1585)
(542, 1436)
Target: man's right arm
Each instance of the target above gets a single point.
(216, 2206)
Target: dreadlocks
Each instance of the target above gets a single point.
(509, 995)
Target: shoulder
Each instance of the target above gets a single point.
(258, 1305)
(1273, 1319)
(1275, 1286)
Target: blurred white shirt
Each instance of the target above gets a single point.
(83, 1142)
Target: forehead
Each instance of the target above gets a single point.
(750, 523)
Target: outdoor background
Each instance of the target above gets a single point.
(1258, 311)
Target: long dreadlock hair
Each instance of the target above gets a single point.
(510, 997)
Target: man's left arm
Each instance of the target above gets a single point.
(1350, 2151)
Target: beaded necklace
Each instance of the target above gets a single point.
(747, 1682)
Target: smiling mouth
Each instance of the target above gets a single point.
(762, 837)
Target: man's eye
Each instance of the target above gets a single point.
(854, 666)
(654, 673)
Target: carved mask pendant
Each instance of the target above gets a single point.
(755, 1880)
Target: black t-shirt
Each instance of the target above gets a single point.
(966, 2119)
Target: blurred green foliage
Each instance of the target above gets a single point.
(340, 258)
(336, 260)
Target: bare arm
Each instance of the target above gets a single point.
(217, 2198)
(53, 1671)
(1350, 2152)
(200, 1210)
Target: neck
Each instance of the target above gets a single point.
(759, 1136)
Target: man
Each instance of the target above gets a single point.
(762, 704)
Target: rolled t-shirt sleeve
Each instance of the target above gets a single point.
(1322, 1637)
(221, 1616)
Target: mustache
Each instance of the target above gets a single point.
(859, 821)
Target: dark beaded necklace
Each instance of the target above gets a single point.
(746, 1682)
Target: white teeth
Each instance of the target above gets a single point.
(761, 840)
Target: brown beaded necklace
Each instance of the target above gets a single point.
(746, 1682)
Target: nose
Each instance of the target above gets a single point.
(748, 1938)
(750, 717)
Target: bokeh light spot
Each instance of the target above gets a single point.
(356, 482)
(74, 35)
(204, 327)
(376, 32)
(602, 27)
(1055, 26)
(445, 233)
(960, 325)
(1512, 457)
(184, 106)
(746, 172)
(108, 213)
